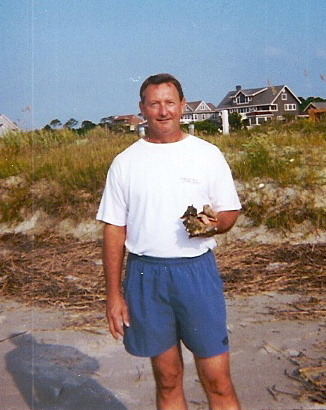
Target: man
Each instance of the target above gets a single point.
(172, 290)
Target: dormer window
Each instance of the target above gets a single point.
(242, 99)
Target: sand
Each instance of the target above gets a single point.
(46, 363)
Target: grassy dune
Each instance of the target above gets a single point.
(63, 173)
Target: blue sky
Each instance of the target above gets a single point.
(86, 59)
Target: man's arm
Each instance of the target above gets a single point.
(113, 253)
(223, 221)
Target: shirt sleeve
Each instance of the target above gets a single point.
(113, 207)
(222, 191)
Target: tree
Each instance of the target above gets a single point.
(235, 121)
(305, 102)
(70, 123)
(106, 121)
(55, 123)
(211, 127)
(87, 125)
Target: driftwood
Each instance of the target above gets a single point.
(310, 374)
(68, 273)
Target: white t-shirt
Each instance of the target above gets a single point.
(149, 186)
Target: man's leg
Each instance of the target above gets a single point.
(168, 374)
(214, 374)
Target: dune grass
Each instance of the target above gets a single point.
(63, 173)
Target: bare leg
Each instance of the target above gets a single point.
(168, 374)
(214, 374)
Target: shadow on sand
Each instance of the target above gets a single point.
(57, 377)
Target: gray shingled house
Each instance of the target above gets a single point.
(199, 111)
(257, 105)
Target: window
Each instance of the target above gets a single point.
(284, 96)
(202, 107)
(273, 107)
(203, 116)
(242, 99)
(262, 108)
(194, 117)
(290, 107)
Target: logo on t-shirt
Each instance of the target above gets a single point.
(188, 180)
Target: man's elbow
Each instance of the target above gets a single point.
(228, 219)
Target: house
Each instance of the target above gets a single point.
(6, 125)
(130, 121)
(316, 110)
(316, 105)
(199, 111)
(257, 105)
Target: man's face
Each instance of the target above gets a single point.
(162, 108)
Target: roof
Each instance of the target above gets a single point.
(195, 106)
(260, 96)
(316, 104)
(131, 119)
(212, 106)
(6, 125)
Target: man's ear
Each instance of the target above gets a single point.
(183, 104)
(141, 106)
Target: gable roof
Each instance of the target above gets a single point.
(316, 104)
(260, 96)
(6, 125)
(195, 106)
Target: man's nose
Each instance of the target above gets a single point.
(163, 110)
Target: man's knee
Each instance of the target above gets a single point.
(168, 380)
(220, 386)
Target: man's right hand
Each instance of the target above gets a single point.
(118, 315)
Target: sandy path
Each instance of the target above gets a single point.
(72, 368)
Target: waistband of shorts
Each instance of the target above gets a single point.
(159, 260)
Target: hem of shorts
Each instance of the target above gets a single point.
(133, 353)
(211, 355)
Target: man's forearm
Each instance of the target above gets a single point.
(113, 254)
(225, 220)
(221, 221)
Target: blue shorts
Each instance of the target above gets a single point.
(173, 299)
